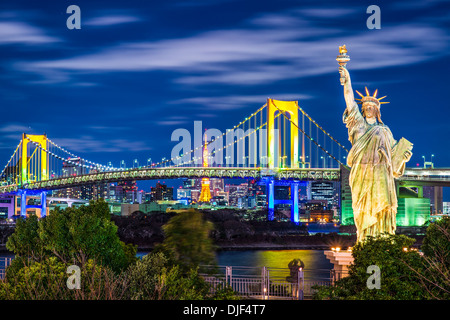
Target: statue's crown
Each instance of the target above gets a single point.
(370, 98)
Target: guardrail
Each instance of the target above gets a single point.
(267, 283)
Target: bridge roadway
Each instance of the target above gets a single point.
(426, 176)
(436, 177)
(332, 174)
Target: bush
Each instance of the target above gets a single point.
(155, 278)
(187, 240)
(74, 236)
(435, 279)
(47, 280)
(398, 280)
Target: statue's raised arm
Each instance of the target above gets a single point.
(348, 90)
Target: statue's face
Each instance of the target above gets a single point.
(369, 109)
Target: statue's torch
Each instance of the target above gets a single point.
(342, 59)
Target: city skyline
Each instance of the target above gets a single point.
(117, 88)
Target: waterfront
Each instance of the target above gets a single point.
(316, 264)
(250, 262)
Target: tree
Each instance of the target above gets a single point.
(392, 254)
(73, 235)
(435, 278)
(187, 241)
(437, 241)
(25, 241)
(47, 280)
(155, 278)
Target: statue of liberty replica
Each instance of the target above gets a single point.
(375, 159)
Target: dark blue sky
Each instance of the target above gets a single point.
(137, 70)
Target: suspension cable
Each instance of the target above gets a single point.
(318, 145)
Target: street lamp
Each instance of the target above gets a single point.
(149, 162)
(135, 163)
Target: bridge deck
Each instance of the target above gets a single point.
(421, 176)
(303, 174)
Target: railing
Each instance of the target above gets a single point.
(332, 174)
(338, 275)
(256, 283)
(267, 283)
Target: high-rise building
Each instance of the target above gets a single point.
(73, 167)
(216, 186)
(435, 194)
(161, 192)
(446, 207)
(325, 190)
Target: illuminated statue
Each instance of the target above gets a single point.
(375, 160)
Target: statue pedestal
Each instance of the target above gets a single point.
(341, 261)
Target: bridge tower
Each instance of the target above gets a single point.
(41, 141)
(289, 109)
(41, 173)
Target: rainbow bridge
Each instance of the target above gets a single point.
(278, 144)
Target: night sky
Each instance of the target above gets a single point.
(137, 70)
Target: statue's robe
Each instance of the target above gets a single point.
(374, 198)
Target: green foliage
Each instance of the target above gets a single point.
(225, 293)
(187, 241)
(47, 280)
(155, 278)
(436, 243)
(436, 248)
(396, 261)
(73, 235)
(86, 237)
(25, 240)
(144, 277)
(36, 280)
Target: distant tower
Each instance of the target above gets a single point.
(205, 194)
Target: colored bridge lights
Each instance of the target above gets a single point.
(266, 146)
(270, 184)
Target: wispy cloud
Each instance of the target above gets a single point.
(259, 53)
(237, 102)
(12, 32)
(11, 128)
(91, 144)
(110, 20)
